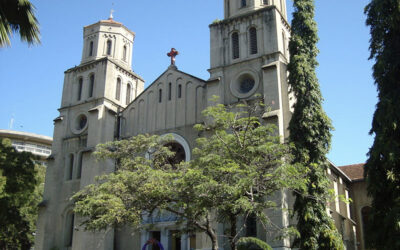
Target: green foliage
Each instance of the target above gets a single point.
(251, 243)
(310, 133)
(18, 16)
(383, 165)
(19, 197)
(237, 163)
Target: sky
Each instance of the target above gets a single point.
(31, 77)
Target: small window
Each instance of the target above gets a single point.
(235, 45)
(79, 168)
(243, 3)
(169, 91)
(160, 95)
(80, 85)
(179, 90)
(265, 2)
(109, 45)
(91, 86)
(69, 229)
(91, 48)
(124, 53)
(70, 167)
(128, 93)
(118, 89)
(253, 40)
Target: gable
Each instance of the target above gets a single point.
(175, 99)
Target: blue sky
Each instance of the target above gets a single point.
(31, 78)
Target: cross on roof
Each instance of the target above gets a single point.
(173, 53)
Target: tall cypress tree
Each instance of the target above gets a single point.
(383, 166)
(310, 133)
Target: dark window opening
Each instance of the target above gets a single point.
(79, 169)
(246, 85)
(160, 95)
(70, 167)
(91, 86)
(169, 91)
(80, 85)
(266, 2)
(179, 91)
(251, 226)
(179, 151)
(109, 45)
(253, 40)
(235, 45)
(243, 3)
(69, 227)
(91, 48)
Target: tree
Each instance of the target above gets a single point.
(310, 133)
(19, 197)
(237, 163)
(18, 16)
(382, 169)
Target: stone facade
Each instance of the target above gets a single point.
(104, 100)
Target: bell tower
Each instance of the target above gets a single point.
(237, 7)
(248, 60)
(94, 94)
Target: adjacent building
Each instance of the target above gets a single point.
(38, 145)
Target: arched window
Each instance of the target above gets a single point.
(160, 95)
(179, 90)
(80, 85)
(69, 229)
(253, 40)
(124, 53)
(243, 3)
(109, 45)
(251, 226)
(128, 93)
(70, 167)
(169, 91)
(91, 85)
(118, 89)
(235, 45)
(91, 48)
(79, 167)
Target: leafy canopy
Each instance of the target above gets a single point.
(20, 192)
(310, 133)
(383, 165)
(238, 162)
(17, 16)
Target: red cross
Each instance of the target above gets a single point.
(173, 53)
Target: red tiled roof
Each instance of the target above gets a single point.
(354, 172)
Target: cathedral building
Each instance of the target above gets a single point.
(103, 100)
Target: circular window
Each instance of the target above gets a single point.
(79, 124)
(244, 85)
(179, 153)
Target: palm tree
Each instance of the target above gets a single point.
(18, 16)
